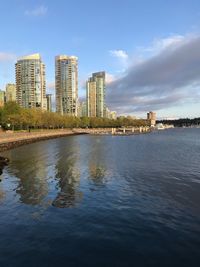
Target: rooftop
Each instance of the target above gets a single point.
(29, 57)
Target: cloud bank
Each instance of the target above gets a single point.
(171, 76)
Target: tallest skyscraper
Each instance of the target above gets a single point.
(66, 81)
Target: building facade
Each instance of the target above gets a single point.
(91, 98)
(49, 102)
(111, 114)
(10, 92)
(30, 82)
(2, 98)
(95, 95)
(82, 109)
(66, 83)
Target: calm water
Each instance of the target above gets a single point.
(103, 201)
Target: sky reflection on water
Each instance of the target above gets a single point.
(112, 201)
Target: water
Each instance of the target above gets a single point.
(103, 201)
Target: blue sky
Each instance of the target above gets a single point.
(119, 37)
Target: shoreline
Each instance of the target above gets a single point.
(12, 140)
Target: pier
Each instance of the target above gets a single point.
(130, 130)
(114, 131)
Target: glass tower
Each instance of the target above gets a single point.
(95, 94)
(66, 81)
(30, 82)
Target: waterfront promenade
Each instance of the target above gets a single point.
(11, 139)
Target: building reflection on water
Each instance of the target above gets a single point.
(2, 195)
(31, 174)
(43, 166)
(68, 175)
(49, 172)
(97, 164)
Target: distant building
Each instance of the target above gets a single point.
(82, 109)
(152, 117)
(49, 102)
(113, 115)
(2, 98)
(66, 72)
(107, 113)
(95, 94)
(10, 92)
(30, 82)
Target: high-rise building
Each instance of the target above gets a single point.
(82, 109)
(66, 81)
(30, 82)
(152, 117)
(95, 95)
(91, 98)
(10, 92)
(49, 102)
(2, 98)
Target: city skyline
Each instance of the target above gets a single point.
(150, 64)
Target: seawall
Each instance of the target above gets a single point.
(12, 140)
(9, 140)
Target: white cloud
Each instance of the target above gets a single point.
(38, 11)
(121, 54)
(121, 59)
(7, 57)
(160, 44)
(50, 87)
(109, 78)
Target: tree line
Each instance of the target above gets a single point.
(182, 122)
(14, 117)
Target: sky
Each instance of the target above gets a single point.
(150, 50)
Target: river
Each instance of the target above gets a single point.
(102, 201)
